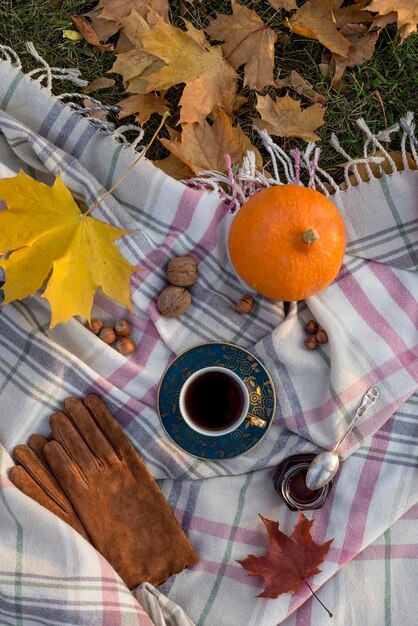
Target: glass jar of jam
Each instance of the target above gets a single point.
(290, 483)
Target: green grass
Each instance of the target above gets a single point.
(391, 72)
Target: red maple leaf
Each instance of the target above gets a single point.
(289, 560)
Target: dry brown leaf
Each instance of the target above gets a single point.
(285, 118)
(385, 165)
(116, 9)
(353, 14)
(215, 87)
(210, 80)
(134, 25)
(238, 102)
(106, 16)
(383, 20)
(98, 83)
(324, 69)
(288, 5)
(301, 86)
(86, 29)
(290, 559)
(203, 147)
(404, 12)
(123, 44)
(99, 115)
(175, 168)
(142, 106)
(103, 28)
(135, 64)
(184, 53)
(362, 48)
(315, 20)
(247, 41)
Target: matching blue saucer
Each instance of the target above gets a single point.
(253, 374)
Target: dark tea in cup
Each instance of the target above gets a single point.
(214, 401)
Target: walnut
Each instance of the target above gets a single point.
(173, 301)
(182, 271)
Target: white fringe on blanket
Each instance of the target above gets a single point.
(302, 168)
(241, 182)
(47, 73)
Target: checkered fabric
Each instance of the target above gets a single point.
(50, 575)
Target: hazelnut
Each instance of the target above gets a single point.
(245, 304)
(125, 346)
(321, 336)
(182, 271)
(311, 342)
(107, 335)
(122, 328)
(95, 326)
(312, 327)
(173, 301)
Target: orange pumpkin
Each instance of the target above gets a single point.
(287, 242)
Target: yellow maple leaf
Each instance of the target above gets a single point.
(46, 234)
(285, 118)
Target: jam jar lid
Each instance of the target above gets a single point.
(290, 483)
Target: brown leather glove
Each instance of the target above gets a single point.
(34, 478)
(122, 508)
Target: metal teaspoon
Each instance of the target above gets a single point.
(325, 465)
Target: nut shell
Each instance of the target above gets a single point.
(182, 271)
(312, 327)
(321, 336)
(122, 328)
(245, 304)
(125, 346)
(311, 342)
(95, 326)
(107, 335)
(173, 301)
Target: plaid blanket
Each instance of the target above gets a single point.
(50, 575)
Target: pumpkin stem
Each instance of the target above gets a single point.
(310, 235)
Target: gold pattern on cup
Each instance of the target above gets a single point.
(256, 421)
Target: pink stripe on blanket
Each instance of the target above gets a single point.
(186, 209)
(357, 517)
(242, 535)
(234, 572)
(352, 392)
(110, 596)
(396, 289)
(379, 552)
(411, 514)
(366, 309)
